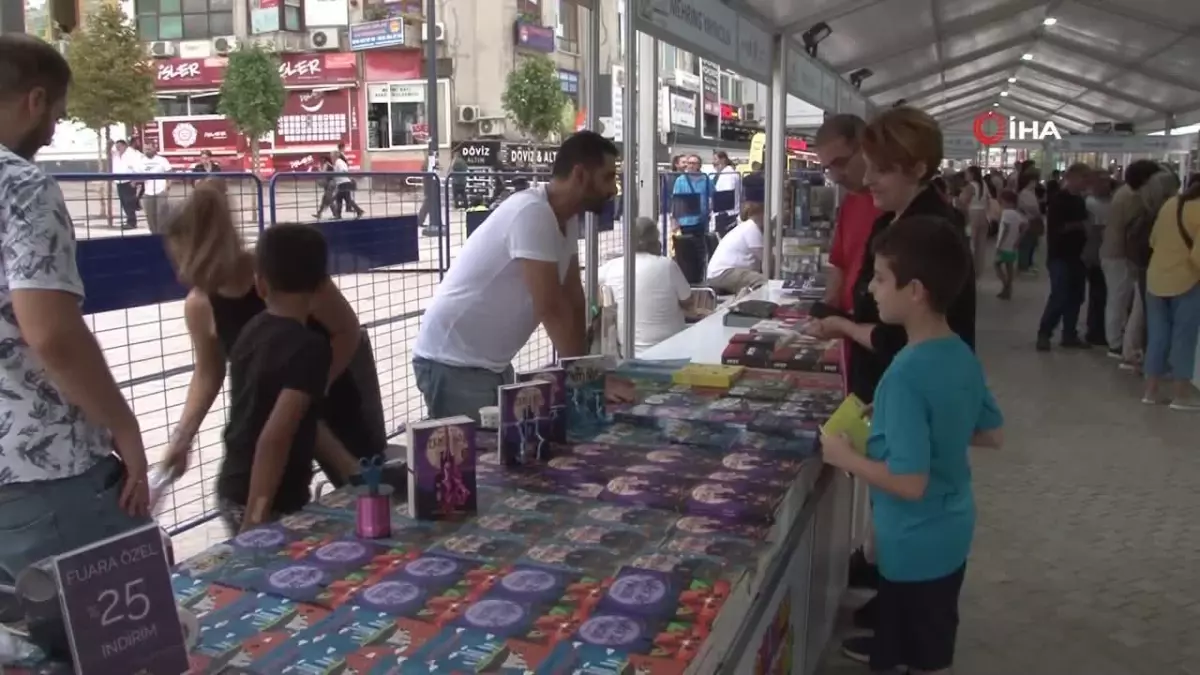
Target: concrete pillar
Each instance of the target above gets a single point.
(776, 164)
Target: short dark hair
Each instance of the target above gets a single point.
(1137, 173)
(27, 63)
(292, 258)
(1079, 169)
(845, 127)
(721, 155)
(586, 148)
(930, 250)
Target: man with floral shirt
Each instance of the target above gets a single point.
(62, 416)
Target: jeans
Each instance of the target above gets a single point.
(46, 518)
(1068, 284)
(1026, 248)
(691, 254)
(1097, 299)
(128, 197)
(456, 390)
(1173, 324)
(1118, 278)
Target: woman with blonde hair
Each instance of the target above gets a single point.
(210, 258)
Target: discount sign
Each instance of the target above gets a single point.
(119, 608)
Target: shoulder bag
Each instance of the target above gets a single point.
(1183, 233)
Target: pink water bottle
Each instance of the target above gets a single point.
(373, 515)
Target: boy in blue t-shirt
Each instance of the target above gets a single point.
(932, 404)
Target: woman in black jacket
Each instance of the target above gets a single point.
(903, 149)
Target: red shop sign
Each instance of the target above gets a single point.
(301, 69)
(314, 118)
(729, 112)
(189, 73)
(197, 134)
(797, 145)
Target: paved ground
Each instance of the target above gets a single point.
(1087, 554)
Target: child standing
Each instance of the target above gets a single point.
(278, 371)
(1012, 227)
(930, 406)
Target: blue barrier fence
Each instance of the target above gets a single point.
(386, 263)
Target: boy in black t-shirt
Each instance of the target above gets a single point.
(1066, 236)
(278, 373)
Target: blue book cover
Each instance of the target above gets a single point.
(557, 377)
(525, 422)
(586, 407)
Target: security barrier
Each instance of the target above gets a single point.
(387, 262)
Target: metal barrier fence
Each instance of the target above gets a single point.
(386, 263)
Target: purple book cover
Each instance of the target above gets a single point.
(645, 490)
(645, 593)
(744, 502)
(557, 377)
(525, 421)
(441, 461)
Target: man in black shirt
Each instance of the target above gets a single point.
(278, 372)
(1066, 237)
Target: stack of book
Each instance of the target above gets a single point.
(783, 350)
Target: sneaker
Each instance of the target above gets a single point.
(862, 573)
(1043, 344)
(1127, 365)
(1114, 353)
(1154, 400)
(1186, 405)
(1074, 343)
(867, 616)
(858, 648)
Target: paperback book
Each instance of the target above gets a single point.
(526, 422)
(557, 377)
(441, 461)
(585, 377)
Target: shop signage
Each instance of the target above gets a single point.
(314, 118)
(804, 81)
(376, 34)
(533, 37)
(708, 25)
(319, 13)
(710, 77)
(534, 156)
(480, 153)
(683, 111)
(796, 144)
(729, 112)
(196, 134)
(295, 69)
(686, 80)
(119, 607)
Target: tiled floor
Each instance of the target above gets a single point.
(1087, 551)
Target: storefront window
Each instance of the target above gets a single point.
(185, 104)
(568, 26)
(183, 19)
(397, 117)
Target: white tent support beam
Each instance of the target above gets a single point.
(1089, 85)
(979, 99)
(971, 57)
(1062, 99)
(954, 84)
(804, 23)
(1042, 111)
(983, 85)
(951, 29)
(1129, 66)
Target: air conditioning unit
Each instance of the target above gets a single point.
(468, 114)
(748, 112)
(491, 127)
(225, 44)
(163, 50)
(439, 32)
(322, 39)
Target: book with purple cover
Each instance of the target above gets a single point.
(557, 377)
(441, 461)
(586, 408)
(525, 421)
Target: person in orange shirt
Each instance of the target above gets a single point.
(837, 146)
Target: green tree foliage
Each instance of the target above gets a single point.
(252, 95)
(112, 77)
(534, 99)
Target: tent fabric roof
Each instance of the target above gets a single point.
(1098, 60)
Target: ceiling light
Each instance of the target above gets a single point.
(995, 105)
(1027, 57)
(1049, 21)
(1011, 80)
(1004, 93)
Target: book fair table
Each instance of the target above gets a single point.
(693, 531)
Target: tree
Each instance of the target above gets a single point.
(534, 99)
(112, 78)
(252, 95)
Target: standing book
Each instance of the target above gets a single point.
(441, 461)
(586, 408)
(850, 419)
(525, 422)
(557, 377)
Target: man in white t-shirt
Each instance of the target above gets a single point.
(661, 294)
(737, 262)
(156, 188)
(126, 161)
(343, 188)
(519, 269)
(725, 180)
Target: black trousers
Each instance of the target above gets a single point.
(1068, 286)
(1097, 298)
(691, 254)
(127, 195)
